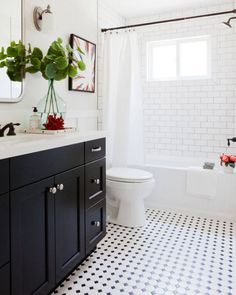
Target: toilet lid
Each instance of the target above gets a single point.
(128, 175)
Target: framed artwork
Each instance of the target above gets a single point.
(85, 80)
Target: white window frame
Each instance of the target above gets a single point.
(177, 42)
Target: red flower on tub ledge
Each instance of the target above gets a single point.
(54, 123)
(227, 160)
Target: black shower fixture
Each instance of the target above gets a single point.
(231, 139)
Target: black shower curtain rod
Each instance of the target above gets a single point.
(170, 20)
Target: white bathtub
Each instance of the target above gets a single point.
(170, 190)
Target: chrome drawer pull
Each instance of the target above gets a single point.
(53, 190)
(96, 223)
(97, 181)
(96, 149)
(60, 187)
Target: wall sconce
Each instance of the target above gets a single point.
(38, 16)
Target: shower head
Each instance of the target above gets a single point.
(229, 21)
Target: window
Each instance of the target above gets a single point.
(178, 59)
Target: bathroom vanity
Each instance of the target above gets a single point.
(52, 210)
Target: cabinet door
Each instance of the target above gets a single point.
(95, 225)
(69, 221)
(95, 182)
(4, 176)
(5, 280)
(4, 229)
(32, 239)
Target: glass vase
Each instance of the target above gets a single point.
(51, 104)
(228, 169)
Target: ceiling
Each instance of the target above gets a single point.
(137, 8)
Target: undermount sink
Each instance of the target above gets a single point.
(20, 139)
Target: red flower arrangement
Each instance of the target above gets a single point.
(54, 123)
(228, 160)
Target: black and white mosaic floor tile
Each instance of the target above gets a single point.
(174, 254)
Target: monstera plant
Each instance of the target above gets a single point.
(57, 64)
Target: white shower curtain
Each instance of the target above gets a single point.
(122, 99)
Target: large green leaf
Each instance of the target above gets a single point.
(37, 53)
(69, 48)
(16, 75)
(80, 50)
(13, 43)
(59, 40)
(12, 51)
(72, 71)
(10, 64)
(21, 50)
(61, 63)
(31, 70)
(61, 75)
(36, 63)
(2, 64)
(51, 71)
(81, 65)
(2, 56)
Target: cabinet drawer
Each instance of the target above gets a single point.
(5, 280)
(37, 166)
(4, 176)
(95, 149)
(95, 225)
(95, 182)
(4, 229)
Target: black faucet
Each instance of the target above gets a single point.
(11, 128)
(233, 139)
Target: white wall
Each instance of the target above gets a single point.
(191, 118)
(78, 17)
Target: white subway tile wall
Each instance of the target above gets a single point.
(189, 118)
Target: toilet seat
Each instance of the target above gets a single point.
(128, 175)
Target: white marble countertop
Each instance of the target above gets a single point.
(21, 144)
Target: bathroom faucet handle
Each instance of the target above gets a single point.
(12, 129)
(233, 139)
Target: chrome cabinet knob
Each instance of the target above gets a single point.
(97, 181)
(60, 187)
(53, 190)
(96, 223)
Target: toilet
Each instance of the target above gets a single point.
(126, 190)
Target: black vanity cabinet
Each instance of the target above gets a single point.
(56, 204)
(4, 229)
(4, 245)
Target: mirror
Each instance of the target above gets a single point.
(10, 29)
